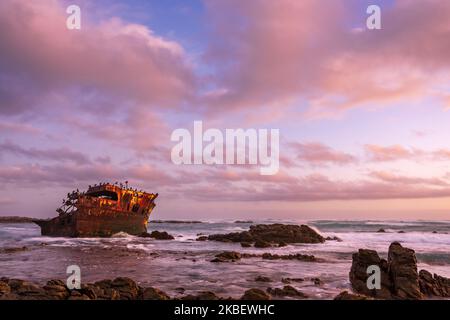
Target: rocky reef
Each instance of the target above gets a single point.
(400, 278)
(266, 235)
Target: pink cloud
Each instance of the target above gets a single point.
(317, 153)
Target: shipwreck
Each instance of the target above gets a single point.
(103, 210)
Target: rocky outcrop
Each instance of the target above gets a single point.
(158, 235)
(255, 294)
(263, 234)
(399, 276)
(117, 289)
(298, 256)
(287, 291)
(227, 256)
(345, 295)
(403, 272)
(434, 285)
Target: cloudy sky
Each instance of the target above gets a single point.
(364, 115)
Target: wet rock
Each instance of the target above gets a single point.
(434, 285)
(126, 287)
(282, 244)
(358, 274)
(4, 288)
(56, 290)
(317, 281)
(345, 295)
(161, 235)
(263, 279)
(205, 295)
(381, 230)
(105, 291)
(290, 280)
(255, 294)
(298, 256)
(13, 250)
(153, 294)
(403, 272)
(286, 291)
(262, 244)
(401, 231)
(243, 221)
(144, 235)
(202, 238)
(246, 244)
(272, 233)
(227, 256)
(334, 238)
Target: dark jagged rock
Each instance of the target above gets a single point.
(345, 295)
(153, 294)
(358, 274)
(399, 276)
(246, 244)
(263, 279)
(287, 291)
(381, 230)
(227, 256)
(434, 285)
(205, 295)
(202, 238)
(262, 244)
(273, 234)
(298, 256)
(4, 288)
(255, 294)
(14, 249)
(161, 235)
(334, 238)
(290, 280)
(126, 287)
(317, 281)
(144, 235)
(403, 272)
(282, 244)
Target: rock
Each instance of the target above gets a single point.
(381, 230)
(317, 281)
(436, 286)
(243, 221)
(399, 277)
(126, 287)
(14, 249)
(263, 279)
(289, 280)
(358, 274)
(202, 238)
(262, 244)
(255, 294)
(4, 288)
(246, 244)
(286, 291)
(403, 272)
(282, 244)
(345, 295)
(153, 294)
(205, 295)
(298, 256)
(56, 291)
(161, 235)
(334, 238)
(144, 235)
(106, 291)
(401, 231)
(273, 234)
(227, 256)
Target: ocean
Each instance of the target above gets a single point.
(182, 266)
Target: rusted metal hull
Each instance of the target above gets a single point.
(94, 222)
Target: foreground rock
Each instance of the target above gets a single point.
(264, 235)
(287, 291)
(255, 294)
(345, 295)
(399, 276)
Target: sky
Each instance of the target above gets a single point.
(363, 114)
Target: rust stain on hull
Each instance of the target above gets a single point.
(101, 211)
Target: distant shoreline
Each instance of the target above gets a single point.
(13, 219)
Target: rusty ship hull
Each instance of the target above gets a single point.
(102, 211)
